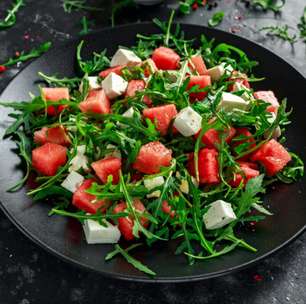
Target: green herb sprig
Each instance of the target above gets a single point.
(11, 18)
(281, 32)
(71, 5)
(216, 19)
(25, 56)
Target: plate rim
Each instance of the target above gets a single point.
(132, 277)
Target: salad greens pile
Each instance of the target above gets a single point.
(96, 132)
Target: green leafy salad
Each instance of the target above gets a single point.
(166, 140)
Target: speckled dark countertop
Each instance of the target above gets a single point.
(30, 275)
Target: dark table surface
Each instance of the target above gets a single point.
(29, 275)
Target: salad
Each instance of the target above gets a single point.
(166, 140)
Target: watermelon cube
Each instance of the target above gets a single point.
(273, 156)
(152, 157)
(96, 103)
(47, 158)
(88, 202)
(161, 116)
(166, 59)
(107, 166)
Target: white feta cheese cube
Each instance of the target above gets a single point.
(113, 151)
(151, 183)
(114, 85)
(188, 122)
(219, 214)
(72, 181)
(95, 233)
(228, 69)
(216, 72)
(230, 102)
(92, 83)
(247, 94)
(125, 57)
(80, 160)
(129, 113)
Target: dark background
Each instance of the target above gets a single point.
(30, 275)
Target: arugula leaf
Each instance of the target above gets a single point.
(97, 64)
(70, 5)
(36, 52)
(281, 32)
(10, 18)
(293, 171)
(138, 265)
(216, 19)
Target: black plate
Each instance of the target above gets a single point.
(64, 238)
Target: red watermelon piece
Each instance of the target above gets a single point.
(273, 156)
(47, 158)
(161, 116)
(56, 135)
(96, 103)
(249, 170)
(269, 97)
(212, 137)
(207, 164)
(198, 65)
(152, 157)
(126, 224)
(107, 166)
(134, 86)
(201, 82)
(54, 95)
(117, 70)
(166, 59)
(88, 202)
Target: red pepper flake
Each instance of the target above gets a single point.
(26, 37)
(258, 278)
(3, 68)
(204, 2)
(17, 54)
(252, 223)
(195, 6)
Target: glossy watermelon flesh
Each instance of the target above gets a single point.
(212, 137)
(56, 135)
(107, 166)
(134, 86)
(198, 65)
(166, 59)
(207, 164)
(54, 95)
(117, 70)
(88, 202)
(248, 172)
(96, 103)
(273, 156)
(201, 82)
(269, 97)
(152, 157)
(47, 158)
(126, 224)
(161, 116)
